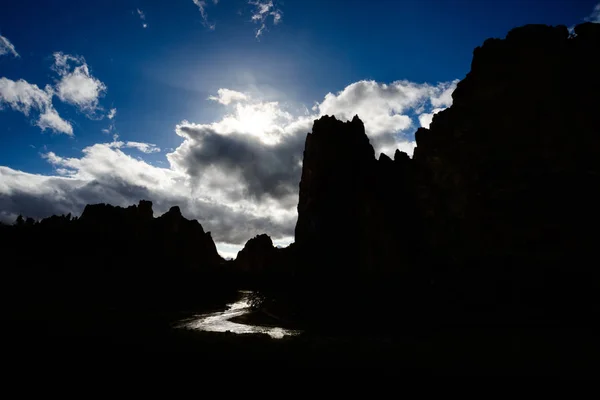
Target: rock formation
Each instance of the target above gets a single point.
(171, 236)
(257, 255)
(347, 210)
(114, 255)
(502, 192)
(511, 169)
(509, 176)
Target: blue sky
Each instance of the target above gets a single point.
(159, 63)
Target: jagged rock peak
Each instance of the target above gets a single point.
(145, 209)
(175, 210)
(262, 239)
(102, 211)
(384, 158)
(256, 255)
(400, 156)
(337, 140)
(328, 123)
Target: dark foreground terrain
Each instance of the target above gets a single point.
(570, 352)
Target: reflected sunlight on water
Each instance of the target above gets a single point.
(220, 321)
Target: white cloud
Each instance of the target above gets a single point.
(112, 113)
(595, 15)
(7, 47)
(77, 86)
(261, 12)
(277, 15)
(227, 96)
(425, 119)
(147, 148)
(440, 102)
(202, 7)
(443, 97)
(238, 175)
(23, 97)
(142, 17)
(386, 109)
(50, 119)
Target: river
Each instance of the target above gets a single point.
(220, 321)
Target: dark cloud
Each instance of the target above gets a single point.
(265, 170)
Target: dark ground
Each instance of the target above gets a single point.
(115, 340)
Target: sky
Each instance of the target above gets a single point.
(206, 104)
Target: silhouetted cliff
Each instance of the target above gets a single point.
(348, 215)
(257, 255)
(496, 211)
(509, 176)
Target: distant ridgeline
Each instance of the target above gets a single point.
(495, 217)
(115, 256)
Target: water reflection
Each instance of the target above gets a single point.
(220, 321)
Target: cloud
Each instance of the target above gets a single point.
(238, 175)
(227, 96)
(24, 97)
(386, 109)
(261, 12)
(76, 85)
(202, 7)
(252, 168)
(112, 113)
(7, 47)
(147, 148)
(595, 15)
(425, 119)
(50, 119)
(142, 17)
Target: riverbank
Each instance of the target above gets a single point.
(262, 318)
(111, 339)
(450, 350)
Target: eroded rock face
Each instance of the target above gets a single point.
(257, 255)
(512, 168)
(500, 201)
(348, 215)
(509, 176)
